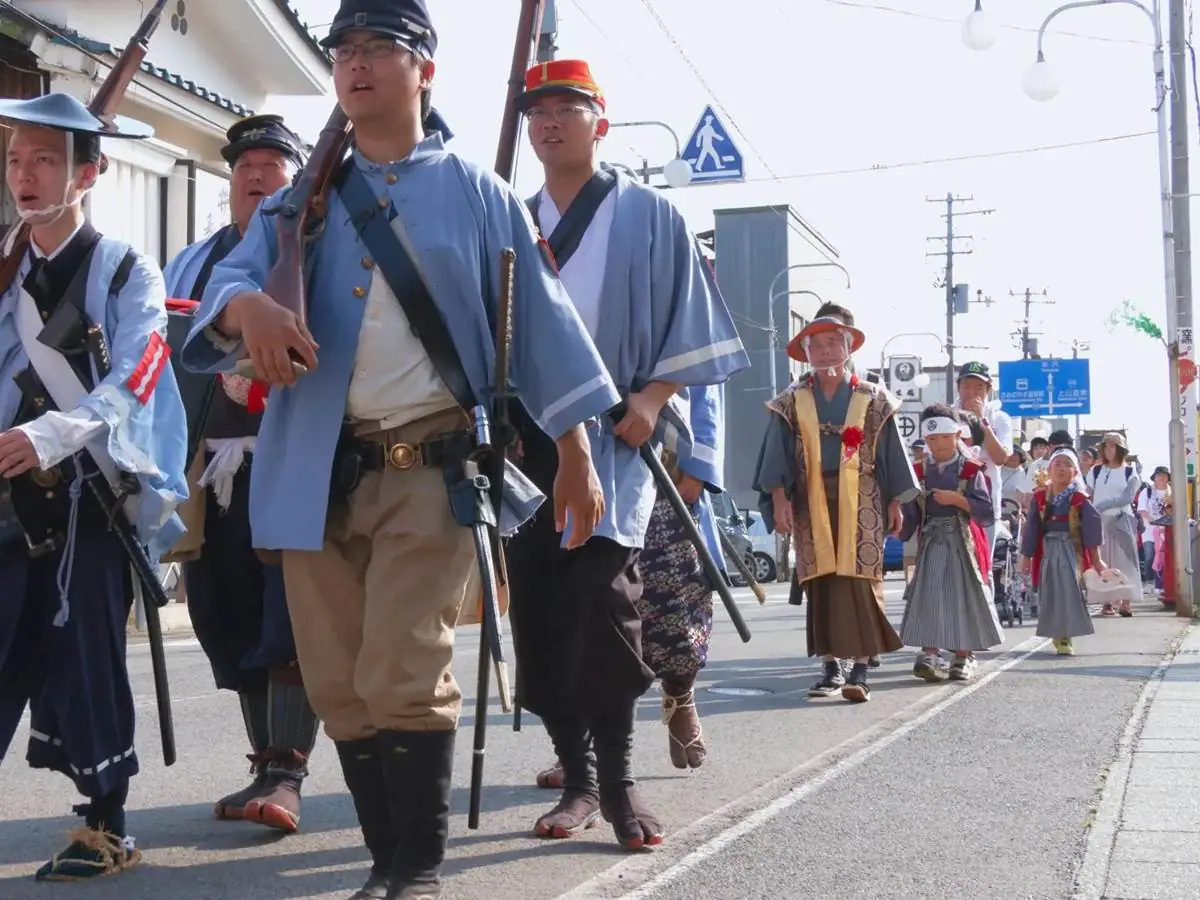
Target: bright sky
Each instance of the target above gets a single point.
(837, 105)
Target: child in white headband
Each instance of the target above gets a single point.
(949, 600)
(1061, 541)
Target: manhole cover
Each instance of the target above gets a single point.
(739, 691)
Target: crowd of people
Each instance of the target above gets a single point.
(327, 503)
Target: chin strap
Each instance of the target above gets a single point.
(56, 211)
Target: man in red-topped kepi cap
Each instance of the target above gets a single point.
(580, 619)
(832, 453)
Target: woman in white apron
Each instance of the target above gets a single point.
(1114, 486)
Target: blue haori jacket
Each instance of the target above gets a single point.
(135, 414)
(662, 319)
(182, 271)
(457, 218)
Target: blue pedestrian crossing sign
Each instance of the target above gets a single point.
(711, 153)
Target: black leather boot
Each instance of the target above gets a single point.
(417, 766)
(362, 767)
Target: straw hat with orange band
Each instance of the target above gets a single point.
(799, 345)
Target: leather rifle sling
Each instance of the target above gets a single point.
(396, 265)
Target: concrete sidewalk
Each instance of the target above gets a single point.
(1144, 839)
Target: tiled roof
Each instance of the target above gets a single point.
(74, 39)
(302, 29)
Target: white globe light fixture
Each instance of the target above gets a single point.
(1040, 82)
(921, 380)
(978, 32)
(678, 173)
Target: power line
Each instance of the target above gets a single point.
(731, 122)
(967, 157)
(912, 14)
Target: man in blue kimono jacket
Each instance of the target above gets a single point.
(113, 411)
(641, 287)
(675, 603)
(354, 457)
(237, 602)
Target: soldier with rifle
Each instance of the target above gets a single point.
(373, 463)
(641, 287)
(90, 410)
(237, 602)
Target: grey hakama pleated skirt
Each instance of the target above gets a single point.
(1063, 612)
(1119, 548)
(946, 606)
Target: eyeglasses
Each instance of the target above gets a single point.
(560, 114)
(375, 48)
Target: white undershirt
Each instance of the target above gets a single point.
(583, 275)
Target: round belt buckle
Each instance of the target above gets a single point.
(402, 456)
(45, 477)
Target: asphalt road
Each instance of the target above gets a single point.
(974, 791)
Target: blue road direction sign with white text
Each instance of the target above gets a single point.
(1045, 387)
(711, 153)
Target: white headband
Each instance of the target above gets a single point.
(1068, 453)
(939, 425)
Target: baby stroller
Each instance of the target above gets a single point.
(1007, 585)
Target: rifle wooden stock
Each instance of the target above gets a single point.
(304, 208)
(108, 98)
(103, 106)
(299, 217)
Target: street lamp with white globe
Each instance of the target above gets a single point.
(978, 31)
(678, 173)
(1040, 82)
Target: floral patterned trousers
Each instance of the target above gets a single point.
(676, 604)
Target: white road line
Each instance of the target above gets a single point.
(872, 741)
(1092, 877)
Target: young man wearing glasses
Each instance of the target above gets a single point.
(349, 482)
(642, 289)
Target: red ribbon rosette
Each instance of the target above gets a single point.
(852, 438)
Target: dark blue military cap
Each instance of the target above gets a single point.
(264, 132)
(405, 20)
(65, 113)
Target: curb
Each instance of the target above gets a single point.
(1091, 879)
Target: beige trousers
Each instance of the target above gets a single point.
(374, 611)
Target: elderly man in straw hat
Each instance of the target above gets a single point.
(832, 473)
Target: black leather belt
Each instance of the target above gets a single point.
(377, 455)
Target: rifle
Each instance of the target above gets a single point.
(301, 215)
(666, 486)
(104, 107)
(491, 439)
(740, 564)
(529, 26)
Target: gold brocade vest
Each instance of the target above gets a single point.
(856, 551)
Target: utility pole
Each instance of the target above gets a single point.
(1076, 346)
(952, 290)
(1026, 351)
(1182, 307)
